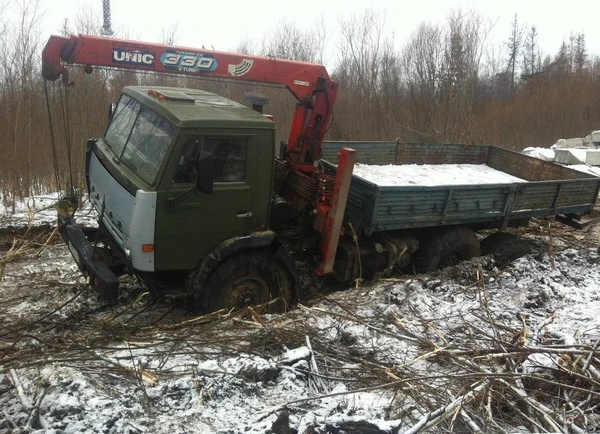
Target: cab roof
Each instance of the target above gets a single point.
(195, 108)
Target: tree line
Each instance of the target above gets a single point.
(446, 84)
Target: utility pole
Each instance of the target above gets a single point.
(106, 26)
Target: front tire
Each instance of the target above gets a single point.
(250, 278)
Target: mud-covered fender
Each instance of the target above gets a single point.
(255, 240)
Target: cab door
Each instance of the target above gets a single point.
(238, 205)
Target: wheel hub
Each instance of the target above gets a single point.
(248, 290)
(453, 258)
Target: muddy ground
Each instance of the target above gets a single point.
(471, 348)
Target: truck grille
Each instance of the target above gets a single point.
(112, 224)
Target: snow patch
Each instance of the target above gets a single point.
(539, 153)
(432, 174)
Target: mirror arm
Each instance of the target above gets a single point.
(176, 201)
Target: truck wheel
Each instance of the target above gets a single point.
(245, 279)
(505, 247)
(445, 247)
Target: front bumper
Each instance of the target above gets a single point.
(89, 261)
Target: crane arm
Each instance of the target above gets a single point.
(308, 82)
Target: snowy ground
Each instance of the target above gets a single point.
(466, 342)
(39, 211)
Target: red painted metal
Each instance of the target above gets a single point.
(332, 226)
(308, 82)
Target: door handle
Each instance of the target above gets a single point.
(244, 215)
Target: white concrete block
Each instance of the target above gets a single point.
(576, 142)
(570, 156)
(592, 157)
(596, 137)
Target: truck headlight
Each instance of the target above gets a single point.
(127, 247)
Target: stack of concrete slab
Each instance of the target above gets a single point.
(578, 150)
(577, 142)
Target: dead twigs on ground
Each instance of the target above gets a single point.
(465, 368)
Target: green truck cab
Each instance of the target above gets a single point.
(145, 180)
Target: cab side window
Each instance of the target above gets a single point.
(229, 156)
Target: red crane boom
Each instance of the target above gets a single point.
(308, 82)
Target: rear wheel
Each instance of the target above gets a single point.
(245, 279)
(505, 247)
(445, 247)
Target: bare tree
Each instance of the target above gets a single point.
(442, 75)
(422, 61)
(363, 53)
(320, 34)
(245, 46)
(464, 47)
(4, 41)
(531, 53)
(390, 89)
(562, 61)
(168, 35)
(88, 21)
(514, 46)
(580, 53)
(288, 41)
(19, 61)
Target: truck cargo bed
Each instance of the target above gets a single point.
(548, 188)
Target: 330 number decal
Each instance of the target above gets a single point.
(186, 61)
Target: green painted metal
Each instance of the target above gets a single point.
(550, 189)
(367, 152)
(203, 110)
(184, 235)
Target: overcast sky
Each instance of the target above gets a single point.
(223, 24)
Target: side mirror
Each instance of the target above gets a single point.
(204, 172)
(204, 180)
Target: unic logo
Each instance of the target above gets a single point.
(188, 61)
(133, 57)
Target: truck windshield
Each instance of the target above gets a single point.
(139, 137)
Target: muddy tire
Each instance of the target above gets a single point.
(505, 247)
(245, 279)
(445, 247)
